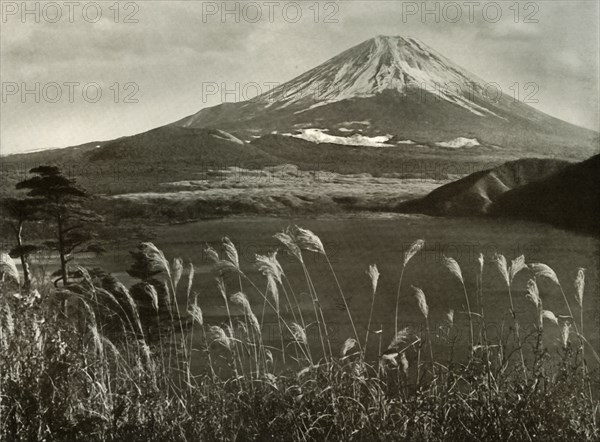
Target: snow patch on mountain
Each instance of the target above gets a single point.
(350, 123)
(318, 136)
(227, 137)
(459, 142)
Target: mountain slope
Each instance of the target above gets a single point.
(402, 88)
(143, 161)
(556, 192)
(475, 194)
(569, 199)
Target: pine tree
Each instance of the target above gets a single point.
(63, 203)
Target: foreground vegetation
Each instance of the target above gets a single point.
(94, 360)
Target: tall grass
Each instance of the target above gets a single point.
(97, 373)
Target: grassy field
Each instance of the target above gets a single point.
(313, 349)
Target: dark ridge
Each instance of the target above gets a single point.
(474, 194)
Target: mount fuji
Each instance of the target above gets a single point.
(396, 91)
(390, 105)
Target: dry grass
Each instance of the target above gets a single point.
(103, 370)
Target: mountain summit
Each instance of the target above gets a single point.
(377, 65)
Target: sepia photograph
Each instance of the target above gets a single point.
(312, 220)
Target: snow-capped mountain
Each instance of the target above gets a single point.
(377, 65)
(404, 91)
(379, 107)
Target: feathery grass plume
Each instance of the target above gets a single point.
(231, 253)
(289, 242)
(404, 363)
(147, 354)
(269, 358)
(533, 294)
(96, 338)
(547, 314)
(86, 276)
(500, 261)
(399, 338)
(349, 344)
(268, 265)
(481, 261)
(580, 285)
(241, 325)
(425, 311)
(196, 312)
(274, 291)
(8, 267)
(177, 271)
(119, 287)
(579, 288)
(421, 301)
(270, 268)
(307, 240)
(540, 269)
(516, 265)
(221, 288)
(211, 254)
(241, 299)
(565, 331)
(156, 257)
(228, 327)
(166, 290)
(217, 334)
(390, 358)
(191, 272)
(450, 316)
(273, 257)
(414, 249)
(92, 324)
(223, 267)
(373, 273)
(151, 291)
(298, 333)
(453, 267)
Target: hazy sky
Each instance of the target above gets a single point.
(178, 49)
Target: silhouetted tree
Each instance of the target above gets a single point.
(64, 204)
